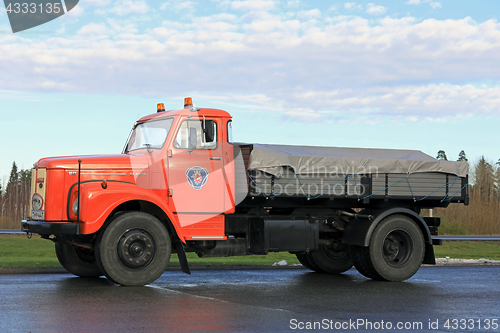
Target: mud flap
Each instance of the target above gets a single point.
(429, 257)
(182, 257)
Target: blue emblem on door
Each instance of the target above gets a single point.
(197, 177)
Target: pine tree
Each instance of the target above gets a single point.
(441, 155)
(12, 193)
(14, 176)
(13, 183)
(1, 199)
(24, 193)
(485, 180)
(15, 199)
(462, 157)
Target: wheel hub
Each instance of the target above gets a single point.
(336, 250)
(391, 248)
(136, 248)
(397, 248)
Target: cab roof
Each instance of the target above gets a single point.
(186, 112)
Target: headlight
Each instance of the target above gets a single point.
(75, 207)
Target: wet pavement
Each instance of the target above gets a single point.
(249, 300)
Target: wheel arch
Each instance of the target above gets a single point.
(150, 208)
(99, 205)
(359, 231)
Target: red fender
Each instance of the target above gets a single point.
(96, 204)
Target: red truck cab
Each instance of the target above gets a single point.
(177, 166)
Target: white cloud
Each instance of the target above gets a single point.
(71, 17)
(95, 3)
(252, 5)
(352, 6)
(432, 3)
(327, 65)
(309, 14)
(303, 114)
(332, 8)
(373, 9)
(435, 5)
(76, 12)
(413, 102)
(349, 5)
(187, 7)
(94, 31)
(124, 27)
(293, 4)
(126, 7)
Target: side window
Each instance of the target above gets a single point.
(230, 131)
(203, 135)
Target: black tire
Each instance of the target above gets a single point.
(305, 262)
(77, 260)
(333, 259)
(396, 249)
(134, 249)
(360, 256)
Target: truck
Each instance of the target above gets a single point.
(182, 185)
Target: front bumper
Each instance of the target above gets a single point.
(51, 228)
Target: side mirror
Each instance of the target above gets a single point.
(193, 138)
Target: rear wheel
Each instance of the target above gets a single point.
(305, 262)
(395, 253)
(77, 260)
(134, 249)
(360, 256)
(332, 259)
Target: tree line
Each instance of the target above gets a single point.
(15, 198)
(480, 217)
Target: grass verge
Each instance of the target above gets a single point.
(21, 252)
(469, 250)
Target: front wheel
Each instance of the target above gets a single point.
(77, 260)
(134, 249)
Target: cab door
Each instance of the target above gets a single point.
(196, 179)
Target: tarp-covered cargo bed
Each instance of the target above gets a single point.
(309, 160)
(318, 172)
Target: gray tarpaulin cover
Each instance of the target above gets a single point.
(312, 160)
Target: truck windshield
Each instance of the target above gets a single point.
(149, 135)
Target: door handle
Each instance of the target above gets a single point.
(216, 158)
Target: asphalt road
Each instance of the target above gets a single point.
(250, 300)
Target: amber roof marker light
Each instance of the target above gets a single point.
(188, 102)
(160, 107)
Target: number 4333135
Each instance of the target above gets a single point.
(34, 8)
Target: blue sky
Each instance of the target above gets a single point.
(411, 74)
